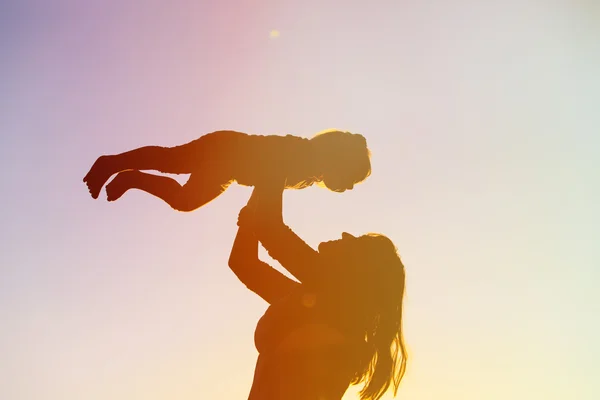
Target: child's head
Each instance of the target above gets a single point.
(344, 159)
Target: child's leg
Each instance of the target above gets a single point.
(194, 194)
(174, 160)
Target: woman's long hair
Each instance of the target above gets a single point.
(375, 279)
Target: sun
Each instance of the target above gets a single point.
(274, 34)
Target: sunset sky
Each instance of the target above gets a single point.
(483, 122)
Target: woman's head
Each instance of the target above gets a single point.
(343, 157)
(372, 274)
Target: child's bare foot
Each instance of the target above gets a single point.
(98, 175)
(122, 183)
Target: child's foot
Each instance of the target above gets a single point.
(97, 176)
(122, 183)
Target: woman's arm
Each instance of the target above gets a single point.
(281, 242)
(257, 275)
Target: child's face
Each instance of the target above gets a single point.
(344, 159)
(343, 173)
(338, 182)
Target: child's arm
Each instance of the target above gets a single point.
(257, 275)
(301, 260)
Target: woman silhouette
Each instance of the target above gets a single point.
(341, 324)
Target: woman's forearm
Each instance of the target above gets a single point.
(245, 245)
(280, 241)
(244, 249)
(269, 203)
(255, 274)
(258, 276)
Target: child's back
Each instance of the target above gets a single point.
(259, 157)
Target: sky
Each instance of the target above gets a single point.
(482, 119)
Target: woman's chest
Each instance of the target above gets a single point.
(284, 317)
(304, 319)
(314, 373)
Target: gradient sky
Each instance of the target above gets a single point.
(482, 118)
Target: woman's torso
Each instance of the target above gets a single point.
(304, 350)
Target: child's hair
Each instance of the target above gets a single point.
(345, 158)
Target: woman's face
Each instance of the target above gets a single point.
(338, 244)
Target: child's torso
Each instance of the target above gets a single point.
(259, 157)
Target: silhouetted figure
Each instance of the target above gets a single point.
(341, 324)
(337, 160)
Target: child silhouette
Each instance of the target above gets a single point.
(334, 159)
